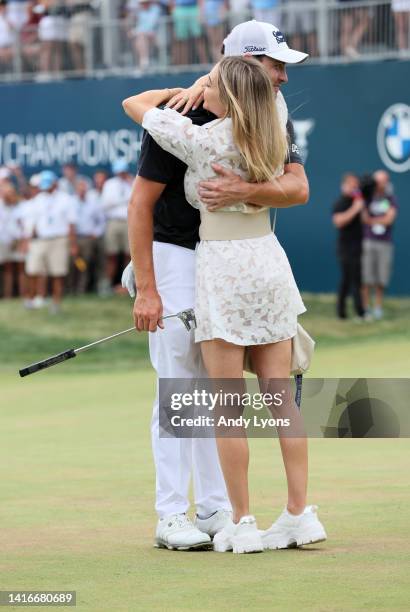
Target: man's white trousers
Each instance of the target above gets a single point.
(175, 355)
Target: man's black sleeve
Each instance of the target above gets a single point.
(294, 156)
(341, 205)
(154, 163)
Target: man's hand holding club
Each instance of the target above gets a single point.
(148, 310)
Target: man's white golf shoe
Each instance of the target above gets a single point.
(243, 537)
(177, 532)
(214, 523)
(291, 531)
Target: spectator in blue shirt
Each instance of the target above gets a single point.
(148, 15)
(266, 10)
(214, 12)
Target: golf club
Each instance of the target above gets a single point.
(186, 316)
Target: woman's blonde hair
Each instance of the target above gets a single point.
(247, 93)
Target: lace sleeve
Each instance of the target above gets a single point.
(172, 132)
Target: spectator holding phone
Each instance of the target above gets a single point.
(347, 218)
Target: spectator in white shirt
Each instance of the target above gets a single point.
(80, 30)
(89, 228)
(115, 197)
(99, 179)
(53, 224)
(8, 235)
(17, 13)
(68, 182)
(53, 34)
(25, 218)
(19, 249)
(401, 12)
(7, 39)
(102, 284)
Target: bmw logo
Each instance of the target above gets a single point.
(393, 137)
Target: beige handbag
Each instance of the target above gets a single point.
(302, 352)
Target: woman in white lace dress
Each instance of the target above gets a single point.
(246, 295)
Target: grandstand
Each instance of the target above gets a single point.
(54, 39)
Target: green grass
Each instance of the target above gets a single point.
(77, 478)
(31, 336)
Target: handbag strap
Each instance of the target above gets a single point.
(298, 394)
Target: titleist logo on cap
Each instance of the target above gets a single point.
(253, 48)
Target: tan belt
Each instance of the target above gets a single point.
(234, 225)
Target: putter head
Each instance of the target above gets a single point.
(188, 318)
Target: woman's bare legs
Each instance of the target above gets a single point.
(215, 38)
(22, 279)
(273, 361)
(402, 23)
(353, 27)
(225, 360)
(45, 55)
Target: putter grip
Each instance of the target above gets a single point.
(47, 363)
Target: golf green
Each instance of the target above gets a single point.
(78, 480)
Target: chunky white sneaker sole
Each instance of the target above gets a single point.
(245, 543)
(291, 540)
(250, 543)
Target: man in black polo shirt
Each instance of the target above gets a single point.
(163, 233)
(347, 218)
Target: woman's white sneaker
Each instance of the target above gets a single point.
(243, 537)
(176, 532)
(290, 531)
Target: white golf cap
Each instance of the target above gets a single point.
(260, 38)
(35, 180)
(4, 173)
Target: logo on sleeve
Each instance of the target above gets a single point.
(303, 129)
(279, 37)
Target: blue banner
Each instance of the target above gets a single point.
(353, 117)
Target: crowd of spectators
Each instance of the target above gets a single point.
(356, 22)
(53, 34)
(364, 215)
(63, 233)
(68, 233)
(199, 26)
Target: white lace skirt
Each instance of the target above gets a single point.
(245, 292)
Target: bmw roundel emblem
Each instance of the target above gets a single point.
(393, 137)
